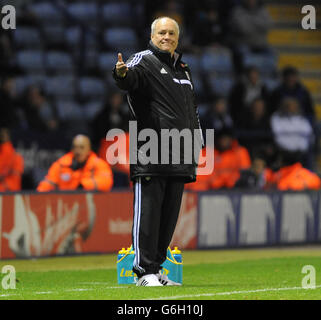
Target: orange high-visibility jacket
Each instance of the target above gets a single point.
(295, 177)
(94, 175)
(227, 166)
(11, 168)
(123, 153)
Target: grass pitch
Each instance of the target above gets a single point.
(212, 275)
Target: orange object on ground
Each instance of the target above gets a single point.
(11, 168)
(295, 177)
(94, 175)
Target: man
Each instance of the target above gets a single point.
(79, 169)
(291, 86)
(11, 164)
(160, 96)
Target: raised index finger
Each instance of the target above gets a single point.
(120, 57)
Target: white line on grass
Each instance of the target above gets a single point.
(229, 293)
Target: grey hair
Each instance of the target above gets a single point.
(153, 25)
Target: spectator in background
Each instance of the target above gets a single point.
(255, 131)
(293, 176)
(217, 116)
(258, 177)
(244, 92)
(292, 87)
(39, 113)
(292, 131)
(11, 164)
(206, 27)
(79, 169)
(229, 159)
(6, 52)
(249, 25)
(8, 100)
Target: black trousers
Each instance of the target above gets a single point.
(157, 202)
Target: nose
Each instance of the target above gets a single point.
(166, 36)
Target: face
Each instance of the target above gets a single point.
(291, 80)
(220, 106)
(224, 142)
(258, 166)
(258, 108)
(165, 36)
(254, 76)
(4, 135)
(292, 106)
(81, 148)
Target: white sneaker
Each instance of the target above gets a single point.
(165, 281)
(149, 280)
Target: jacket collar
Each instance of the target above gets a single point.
(165, 56)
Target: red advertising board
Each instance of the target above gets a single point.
(58, 224)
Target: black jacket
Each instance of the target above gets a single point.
(161, 96)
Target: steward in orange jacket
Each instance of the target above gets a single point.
(295, 177)
(229, 159)
(79, 169)
(11, 164)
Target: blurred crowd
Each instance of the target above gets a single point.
(265, 136)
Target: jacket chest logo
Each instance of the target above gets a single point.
(163, 71)
(183, 81)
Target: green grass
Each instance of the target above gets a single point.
(230, 274)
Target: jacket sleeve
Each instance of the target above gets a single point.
(101, 179)
(135, 77)
(51, 180)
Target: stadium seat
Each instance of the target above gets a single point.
(301, 61)
(266, 63)
(313, 85)
(220, 85)
(69, 110)
(73, 36)
(91, 87)
(59, 61)
(54, 34)
(120, 38)
(46, 11)
(83, 11)
(117, 14)
(107, 61)
(27, 37)
(193, 62)
(60, 86)
(289, 37)
(218, 60)
(30, 60)
(92, 108)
